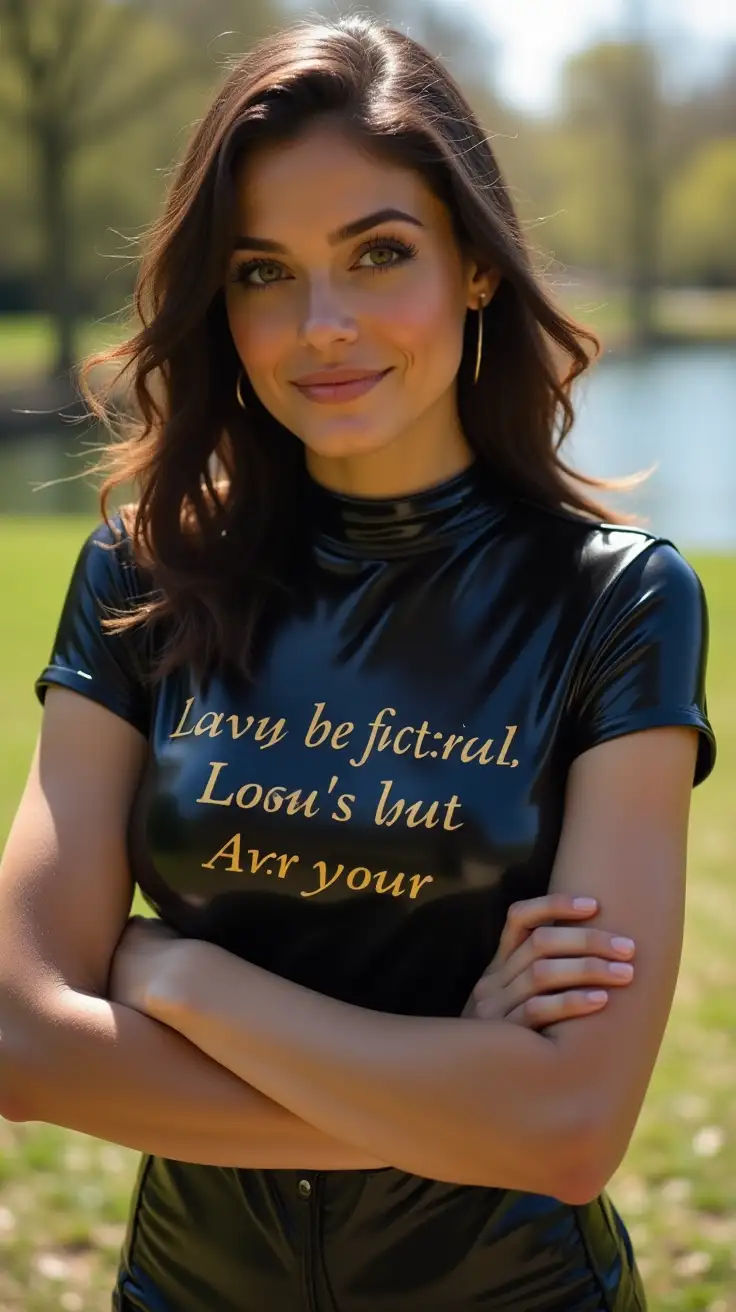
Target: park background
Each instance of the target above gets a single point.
(615, 124)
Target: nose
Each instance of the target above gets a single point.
(326, 320)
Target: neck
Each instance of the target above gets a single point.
(432, 452)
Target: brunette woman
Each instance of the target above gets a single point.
(362, 691)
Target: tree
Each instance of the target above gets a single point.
(698, 236)
(612, 93)
(60, 57)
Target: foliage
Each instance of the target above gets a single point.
(698, 238)
(124, 81)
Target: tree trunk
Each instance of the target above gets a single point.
(58, 297)
(645, 201)
(645, 191)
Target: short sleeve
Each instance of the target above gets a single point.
(645, 655)
(107, 667)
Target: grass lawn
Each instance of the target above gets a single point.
(63, 1196)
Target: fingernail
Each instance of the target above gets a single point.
(597, 995)
(584, 903)
(623, 944)
(622, 969)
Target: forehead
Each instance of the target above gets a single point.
(322, 179)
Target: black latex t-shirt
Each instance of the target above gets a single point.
(360, 816)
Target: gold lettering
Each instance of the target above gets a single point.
(322, 727)
(324, 882)
(346, 812)
(452, 741)
(510, 735)
(451, 807)
(375, 726)
(365, 875)
(397, 740)
(236, 730)
(395, 888)
(273, 801)
(391, 816)
(256, 860)
(308, 806)
(422, 733)
(234, 855)
(213, 728)
(285, 862)
(343, 730)
(269, 734)
(417, 881)
(243, 792)
(178, 732)
(481, 755)
(217, 766)
(414, 818)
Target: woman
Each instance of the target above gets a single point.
(361, 679)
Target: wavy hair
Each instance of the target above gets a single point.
(219, 519)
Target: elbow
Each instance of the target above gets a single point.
(591, 1157)
(569, 1158)
(578, 1187)
(27, 1065)
(14, 1100)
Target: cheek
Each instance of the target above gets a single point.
(260, 335)
(425, 322)
(422, 319)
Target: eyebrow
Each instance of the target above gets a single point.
(345, 233)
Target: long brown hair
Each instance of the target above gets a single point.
(219, 519)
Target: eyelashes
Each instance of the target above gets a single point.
(405, 251)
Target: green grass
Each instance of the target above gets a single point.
(26, 345)
(63, 1196)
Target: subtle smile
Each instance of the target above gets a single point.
(338, 391)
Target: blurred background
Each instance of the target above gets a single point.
(615, 124)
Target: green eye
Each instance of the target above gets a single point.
(243, 272)
(382, 250)
(390, 246)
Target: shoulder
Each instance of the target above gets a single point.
(106, 565)
(597, 561)
(93, 655)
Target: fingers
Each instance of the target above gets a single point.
(553, 975)
(548, 1008)
(523, 917)
(566, 941)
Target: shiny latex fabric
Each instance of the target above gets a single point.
(358, 819)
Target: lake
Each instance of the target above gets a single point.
(675, 410)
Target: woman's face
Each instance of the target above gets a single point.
(303, 297)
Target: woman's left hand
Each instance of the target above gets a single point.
(140, 961)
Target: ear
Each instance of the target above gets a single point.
(482, 283)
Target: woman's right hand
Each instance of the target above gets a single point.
(544, 972)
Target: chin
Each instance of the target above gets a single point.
(341, 443)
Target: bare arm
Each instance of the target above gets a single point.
(68, 1056)
(483, 1104)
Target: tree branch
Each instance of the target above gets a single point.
(75, 18)
(142, 99)
(15, 16)
(13, 114)
(119, 26)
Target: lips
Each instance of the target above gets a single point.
(337, 377)
(341, 385)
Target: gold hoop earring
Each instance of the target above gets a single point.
(479, 353)
(238, 392)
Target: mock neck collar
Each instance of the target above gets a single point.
(399, 525)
